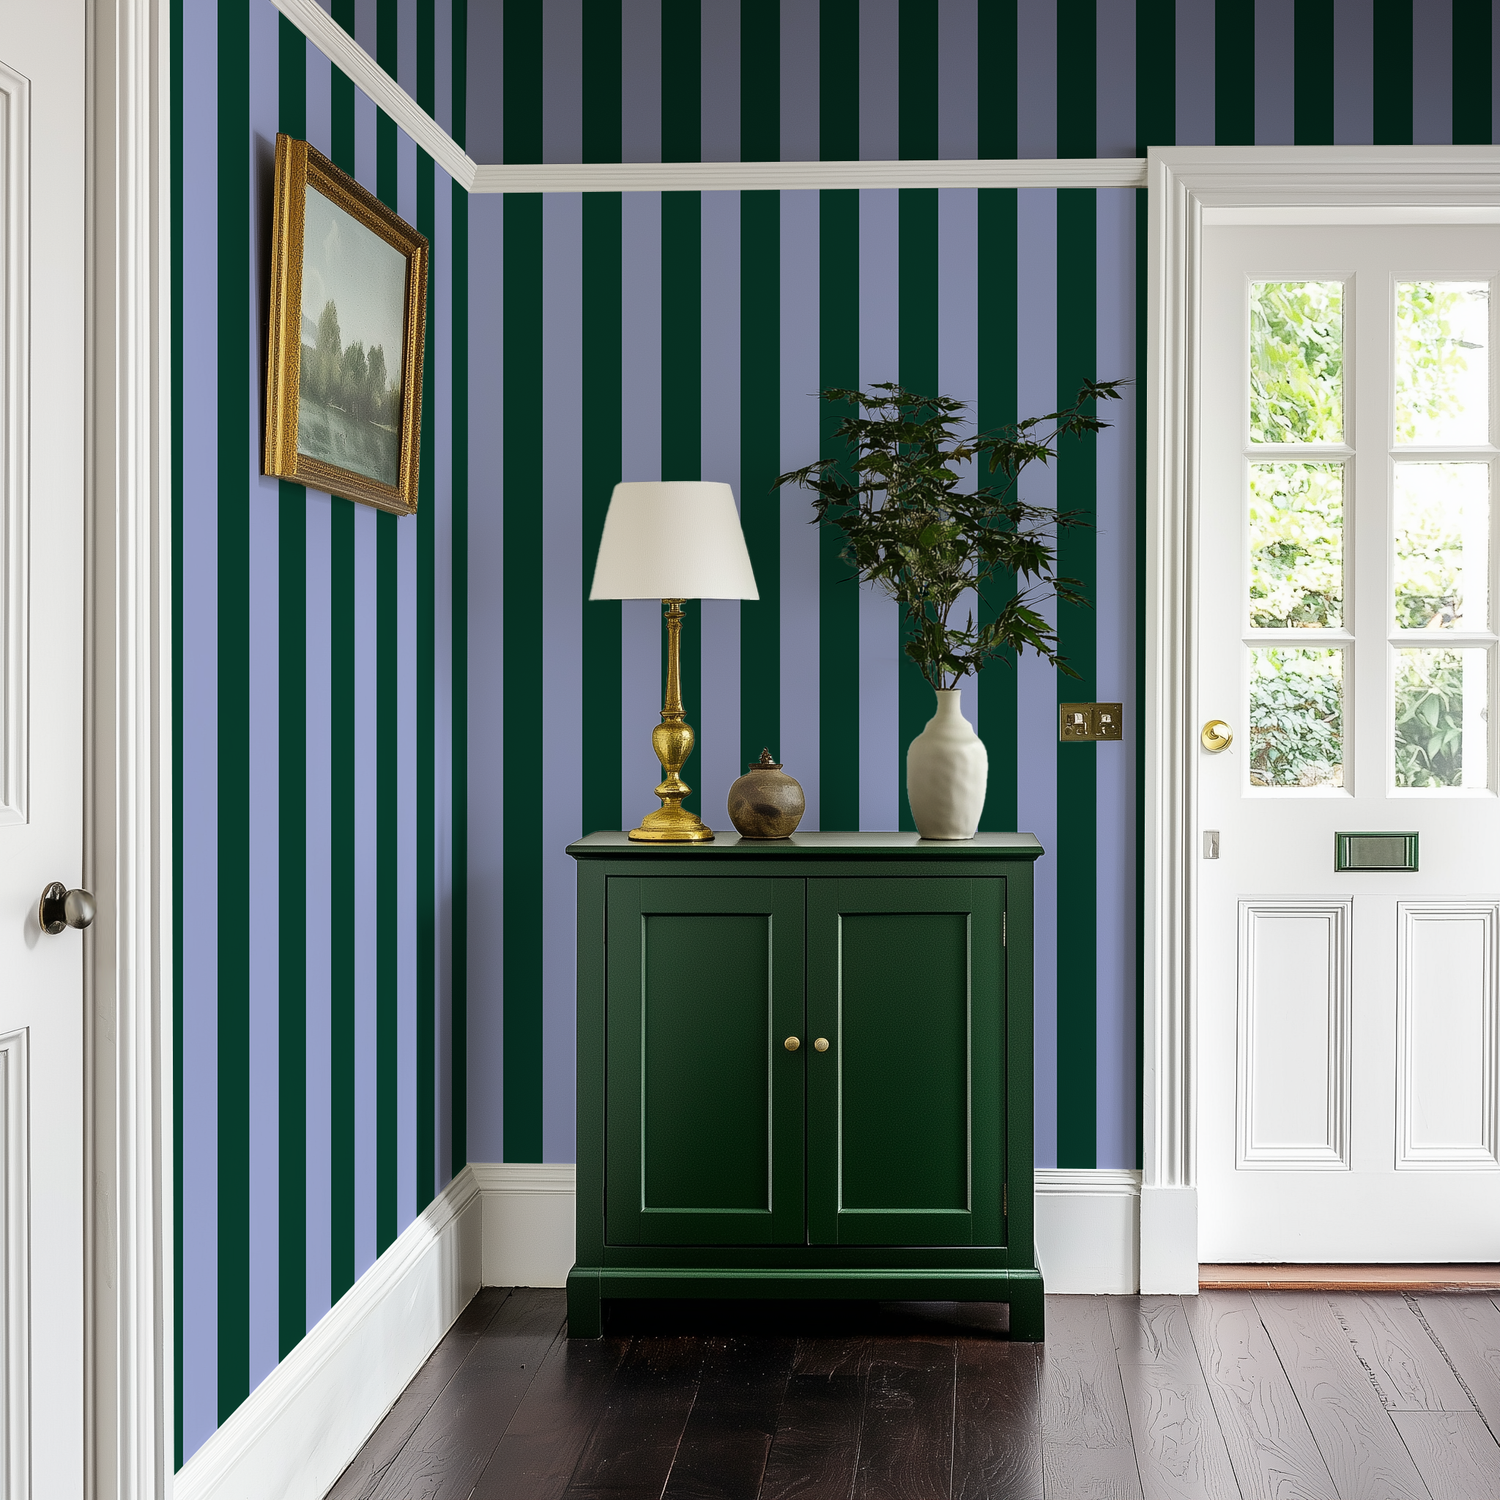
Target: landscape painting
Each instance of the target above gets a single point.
(353, 318)
(348, 308)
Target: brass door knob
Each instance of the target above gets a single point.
(821, 1045)
(60, 908)
(1216, 736)
(792, 1043)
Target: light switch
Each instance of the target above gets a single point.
(1090, 721)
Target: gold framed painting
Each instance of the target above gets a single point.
(348, 324)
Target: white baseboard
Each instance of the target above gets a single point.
(528, 1222)
(1086, 1229)
(299, 1428)
(1169, 1239)
(511, 1224)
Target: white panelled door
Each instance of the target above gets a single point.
(1349, 1006)
(42, 183)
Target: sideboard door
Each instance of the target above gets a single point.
(705, 1106)
(905, 1141)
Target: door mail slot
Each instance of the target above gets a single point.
(1375, 851)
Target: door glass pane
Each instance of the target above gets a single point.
(1296, 546)
(1296, 717)
(1442, 546)
(1296, 361)
(1442, 362)
(1442, 734)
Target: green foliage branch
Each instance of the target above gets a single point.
(912, 528)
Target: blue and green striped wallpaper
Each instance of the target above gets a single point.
(389, 729)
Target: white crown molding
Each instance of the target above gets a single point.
(685, 176)
(1185, 183)
(524, 1177)
(1095, 1181)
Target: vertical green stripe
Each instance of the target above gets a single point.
(1077, 90)
(918, 81)
(917, 335)
(459, 618)
(681, 79)
(292, 829)
(760, 462)
(342, 752)
(1392, 72)
(760, 382)
(235, 460)
(997, 78)
(522, 470)
(682, 421)
(1155, 73)
(601, 447)
(602, 429)
(1142, 228)
(1313, 76)
(838, 84)
(175, 85)
(1077, 794)
(1473, 84)
(601, 80)
(996, 314)
(1234, 73)
(838, 593)
(760, 80)
(425, 1061)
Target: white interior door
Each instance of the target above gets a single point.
(1349, 1018)
(42, 118)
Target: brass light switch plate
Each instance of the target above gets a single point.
(1090, 721)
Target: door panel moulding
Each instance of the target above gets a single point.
(1187, 186)
(15, 428)
(652, 177)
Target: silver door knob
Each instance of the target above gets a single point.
(60, 907)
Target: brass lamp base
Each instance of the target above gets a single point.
(672, 740)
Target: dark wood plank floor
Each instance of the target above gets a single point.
(1230, 1395)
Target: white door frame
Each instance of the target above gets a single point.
(128, 769)
(1266, 184)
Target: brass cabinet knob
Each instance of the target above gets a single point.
(60, 908)
(1216, 736)
(821, 1045)
(792, 1043)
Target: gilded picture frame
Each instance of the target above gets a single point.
(334, 420)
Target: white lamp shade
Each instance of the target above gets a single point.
(673, 539)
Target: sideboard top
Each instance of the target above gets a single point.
(615, 845)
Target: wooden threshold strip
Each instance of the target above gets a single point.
(1377, 1278)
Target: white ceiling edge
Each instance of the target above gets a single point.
(686, 176)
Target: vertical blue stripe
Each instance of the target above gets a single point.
(719, 75)
(562, 82)
(958, 68)
(799, 81)
(319, 878)
(718, 709)
(640, 80)
(880, 751)
(879, 80)
(1114, 89)
(1432, 73)
(1036, 82)
(1274, 72)
(799, 541)
(1036, 690)
(1195, 73)
(562, 708)
(1353, 73)
(958, 359)
(640, 458)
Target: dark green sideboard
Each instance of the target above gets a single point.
(715, 1161)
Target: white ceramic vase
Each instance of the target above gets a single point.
(947, 769)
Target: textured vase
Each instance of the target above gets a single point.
(947, 769)
(766, 803)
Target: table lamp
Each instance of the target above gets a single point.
(672, 540)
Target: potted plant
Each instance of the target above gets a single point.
(916, 526)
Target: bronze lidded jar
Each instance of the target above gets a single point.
(766, 803)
